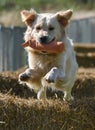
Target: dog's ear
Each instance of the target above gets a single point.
(64, 17)
(28, 16)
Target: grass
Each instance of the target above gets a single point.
(45, 4)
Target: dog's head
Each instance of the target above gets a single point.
(45, 27)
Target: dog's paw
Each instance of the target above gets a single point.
(49, 79)
(51, 76)
(23, 77)
(68, 96)
(68, 99)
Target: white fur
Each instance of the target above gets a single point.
(51, 70)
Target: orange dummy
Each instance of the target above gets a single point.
(53, 47)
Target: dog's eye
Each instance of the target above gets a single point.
(51, 28)
(38, 28)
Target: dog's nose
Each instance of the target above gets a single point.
(44, 39)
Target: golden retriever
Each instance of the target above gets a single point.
(55, 70)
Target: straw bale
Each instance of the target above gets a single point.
(19, 113)
(32, 114)
(85, 55)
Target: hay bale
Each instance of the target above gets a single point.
(84, 85)
(84, 48)
(85, 55)
(9, 84)
(32, 114)
(86, 60)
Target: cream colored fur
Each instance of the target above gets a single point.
(49, 70)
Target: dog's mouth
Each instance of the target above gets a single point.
(46, 52)
(53, 39)
(50, 41)
(45, 40)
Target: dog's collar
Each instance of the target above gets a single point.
(53, 47)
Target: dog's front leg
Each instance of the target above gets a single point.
(25, 75)
(54, 74)
(28, 75)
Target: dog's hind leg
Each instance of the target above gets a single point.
(67, 89)
(67, 94)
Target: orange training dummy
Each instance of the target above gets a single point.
(53, 47)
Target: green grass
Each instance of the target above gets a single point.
(45, 4)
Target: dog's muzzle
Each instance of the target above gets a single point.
(45, 40)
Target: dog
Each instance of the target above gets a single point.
(55, 70)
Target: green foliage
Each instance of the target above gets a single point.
(45, 4)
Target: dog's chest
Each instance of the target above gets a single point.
(42, 62)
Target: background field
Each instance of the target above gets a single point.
(46, 4)
(10, 9)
